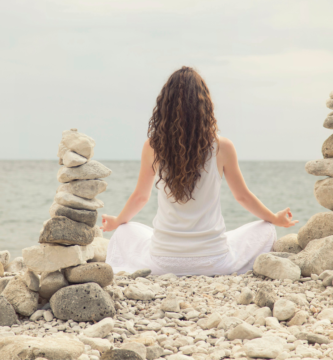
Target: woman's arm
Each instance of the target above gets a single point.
(140, 195)
(239, 189)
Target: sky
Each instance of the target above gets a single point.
(99, 65)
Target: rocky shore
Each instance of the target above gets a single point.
(62, 301)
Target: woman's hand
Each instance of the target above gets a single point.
(284, 218)
(109, 223)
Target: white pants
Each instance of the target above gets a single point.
(128, 250)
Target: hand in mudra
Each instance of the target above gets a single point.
(109, 223)
(284, 218)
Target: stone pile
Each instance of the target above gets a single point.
(310, 251)
(67, 270)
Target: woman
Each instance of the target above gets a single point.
(189, 158)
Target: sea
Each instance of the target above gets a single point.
(27, 189)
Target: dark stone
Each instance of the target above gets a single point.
(8, 315)
(266, 296)
(88, 217)
(61, 230)
(120, 354)
(98, 272)
(312, 338)
(84, 302)
(140, 273)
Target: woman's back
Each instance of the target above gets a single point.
(195, 228)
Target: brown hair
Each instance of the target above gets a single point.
(182, 130)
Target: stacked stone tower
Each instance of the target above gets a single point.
(321, 225)
(65, 269)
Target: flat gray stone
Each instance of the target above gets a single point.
(88, 217)
(328, 123)
(87, 189)
(91, 170)
(327, 148)
(84, 302)
(324, 193)
(8, 315)
(76, 202)
(98, 272)
(140, 273)
(322, 167)
(312, 338)
(23, 300)
(318, 226)
(61, 230)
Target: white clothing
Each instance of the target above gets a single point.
(128, 250)
(193, 229)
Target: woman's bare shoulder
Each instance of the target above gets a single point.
(225, 145)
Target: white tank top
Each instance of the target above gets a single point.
(194, 229)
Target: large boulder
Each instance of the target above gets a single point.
(77, 142)
(87, 189)
(49, 258)
(89, 171)
(72, 159)
(327, 148)
(328, 123)
(61, 230)
(84, 302)
(4, 257)
(323, 191)
(287, 244)
(23, 300)
(100, 249)
(88, 217)
(98, 272)
(8, 315)
(276, 267)
(51, 283)
(318, 226)
(316, 257)
(322, 167)
(51, 348)
(76, 202)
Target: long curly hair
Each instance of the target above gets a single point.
(182, 130)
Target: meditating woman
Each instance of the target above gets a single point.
(189, 236)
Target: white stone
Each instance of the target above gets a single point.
(326, 314)
(4, 257)
(76, 202)
(299, 318)
(16, 265)
(267, 347)
(49, 258)
(170, 303)
(48, 315)
(136, 347)
(244, 331)
(37, 315)
(276, 267)
(322, 167)
(100, 246)
(72, 159)
(139, 291)
(101, 329)
(87, 189)
(284, 309)
(213, 320)
(99, 344)
(77, 142)
(272, 322)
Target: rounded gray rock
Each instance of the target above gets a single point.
(121, 354)
(323, 191)
(61, 230)
(8, 315)
(318, 226)
(76, 202)
(84, 302)
(88, 217)
(322, 167)
(98, 272)
(140, 273)
(89, 171)
(288, 244)
(266, 296)
(327, 148)
(87, 189)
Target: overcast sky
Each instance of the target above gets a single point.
(98, 65)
